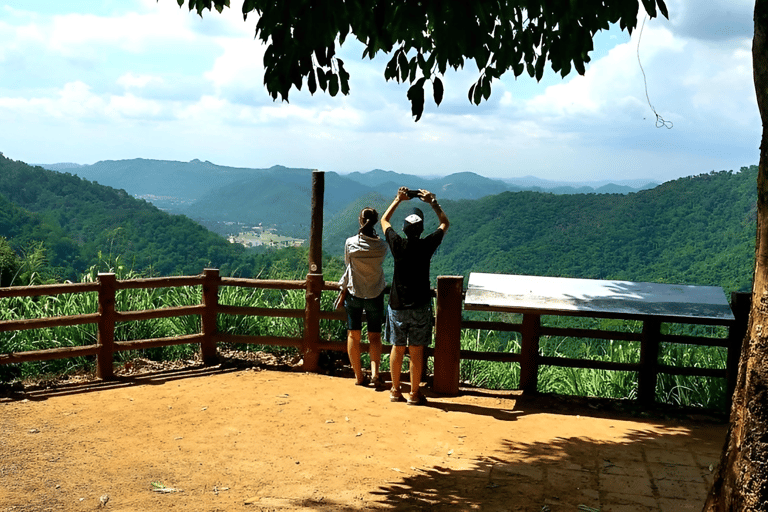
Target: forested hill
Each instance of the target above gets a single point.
(81, 224)
(695, 230)
(227, 198)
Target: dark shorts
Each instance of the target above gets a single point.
(374, 312)
(410, 326)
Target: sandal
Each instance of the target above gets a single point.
(366, 380)
(416, 399)
(395, 395)
(378, 383)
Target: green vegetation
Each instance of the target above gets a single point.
(703, 392)
(697, 230)
(16, 308)
(690, 391)
(69, 223)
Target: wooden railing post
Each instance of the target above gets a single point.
(529, 353)
(448, 335)
(211, 281)
(106, 325)
(310, 350)
(741, 304)
(316, 226)
(649, 361)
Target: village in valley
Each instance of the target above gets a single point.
(258, 236)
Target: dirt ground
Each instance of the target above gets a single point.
(232, 438)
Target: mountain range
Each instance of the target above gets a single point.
(218, 196)
(693, 230)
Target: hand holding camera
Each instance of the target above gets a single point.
(424, 195)
(412, 193)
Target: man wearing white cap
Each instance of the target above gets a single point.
(409, 315)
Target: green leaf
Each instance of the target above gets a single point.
(431, 61)
(322, 80)
(333, 85)
(663, 8)
(478, 93)
(486, 88)
(220, 6)
(248, 6)
(412, 68)
(416, 95)
(390, 71)
(343, 77)
(481, 58)
(343, 31)
(422, 63)
(402, 62)
(650, 7)
(540, 68)
(311, 82)
(437, 90)
(579, 65)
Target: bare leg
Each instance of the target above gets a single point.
(374, 339)
(416, 354)
(353, 351)
(396, 365)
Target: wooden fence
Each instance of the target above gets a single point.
(447, 352)
(208, 310)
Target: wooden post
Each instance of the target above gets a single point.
(209, 317)
(310, 350)
(316, 233)
(529, 353)
(649, 361)
(448, 335)
(741, 304)
(106, 325)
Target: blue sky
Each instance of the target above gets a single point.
(83, 81)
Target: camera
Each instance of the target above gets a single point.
(413, 193)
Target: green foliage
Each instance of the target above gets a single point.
(70, 304)
(703, 392)
(9, 263)
(696, 230)
(426, 38)
(65, 225)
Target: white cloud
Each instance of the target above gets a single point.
(155, 81)
(129, 106)
(715, 20)
(132, 81)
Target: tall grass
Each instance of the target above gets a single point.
(681, 390)
(675, 389)
(147, 299)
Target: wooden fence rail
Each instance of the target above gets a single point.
(208, 310)
(448, 354)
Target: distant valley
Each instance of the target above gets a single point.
(231, 200)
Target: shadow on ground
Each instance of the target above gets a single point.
(648, 470)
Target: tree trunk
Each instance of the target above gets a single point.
(741, 480)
